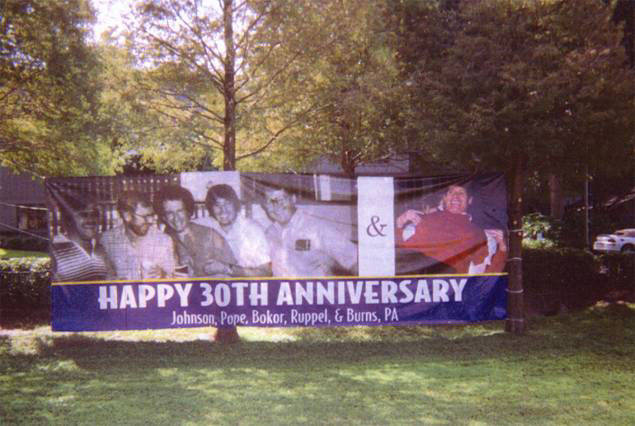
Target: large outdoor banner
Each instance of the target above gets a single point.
(227, 249)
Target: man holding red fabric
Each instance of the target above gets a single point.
(448, 235)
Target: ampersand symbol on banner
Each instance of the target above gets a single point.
(375, 229)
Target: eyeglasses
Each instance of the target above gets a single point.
(88, 214)
(148, 218)
(277, 202)
(181, 213)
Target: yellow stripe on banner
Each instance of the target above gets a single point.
(488, 274)
(251, 279)
(155, 280)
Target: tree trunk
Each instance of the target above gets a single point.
(229, 90)
(515, 301)
(229, 334)
(587, 206)
(556, 202)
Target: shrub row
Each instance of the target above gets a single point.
(21, 242)
(559, 278)
(619, 269)
(25, 283)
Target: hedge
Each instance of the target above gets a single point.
(619, 269)
(15, 241)
(566, 278)
(25, 283)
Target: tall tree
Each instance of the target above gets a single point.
(212, 69)
(524, 86)
(49, 90)
(356, 85)
(624, 13)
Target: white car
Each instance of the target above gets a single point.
(622, 241)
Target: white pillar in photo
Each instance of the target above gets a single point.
(376, 225)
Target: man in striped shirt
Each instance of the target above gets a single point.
(75, 254)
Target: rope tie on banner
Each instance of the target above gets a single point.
(517, 259)
(22, 206)
(515, 291)
(516, 319)
(516, 230)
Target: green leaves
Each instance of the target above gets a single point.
(353, 83)
(50, 90)
(545, 80)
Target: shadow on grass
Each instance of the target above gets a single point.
(339, 382)
(348, 375)
(24, 319)
(603, 328)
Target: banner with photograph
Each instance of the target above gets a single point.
(275, 250)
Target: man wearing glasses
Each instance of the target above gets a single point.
(303, 246)
(137, 249)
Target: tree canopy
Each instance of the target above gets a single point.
(277, 84)
(214, 70)
(520, 86)
(49, 89)
(543, 81)
(355, 83)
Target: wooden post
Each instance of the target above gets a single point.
(515, 300)
(227, 335)
(587, 218)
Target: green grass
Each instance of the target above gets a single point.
(568, 370)
(8, 253)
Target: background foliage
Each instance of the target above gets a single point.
(49, 96)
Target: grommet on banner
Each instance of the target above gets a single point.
(515, 291)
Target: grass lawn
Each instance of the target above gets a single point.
(572, 369)
(8, 253)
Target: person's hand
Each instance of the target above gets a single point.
(215, 267)
(498, 236)
(311, 263)
(319, 261)
(412, 216)
(158, 271)
(152, 270)
(182, 271)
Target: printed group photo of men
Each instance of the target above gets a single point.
(229, 224)
(208, 224)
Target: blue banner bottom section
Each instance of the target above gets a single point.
(404, 300)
